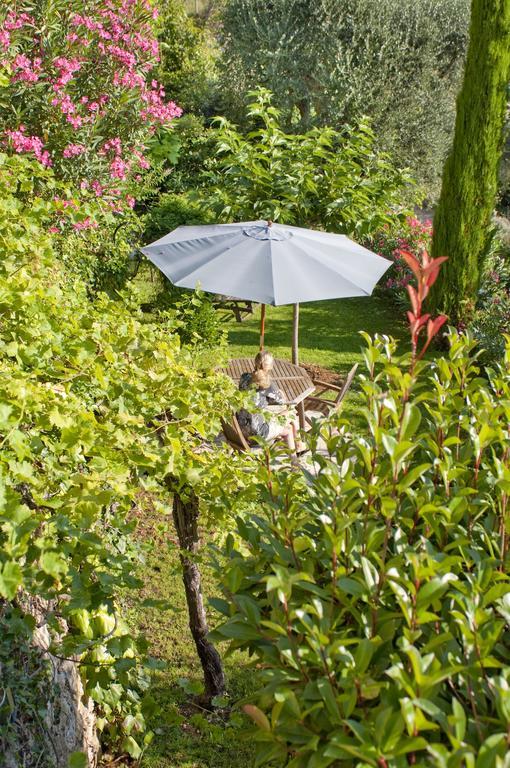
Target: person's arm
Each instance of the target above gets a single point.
(274, 395)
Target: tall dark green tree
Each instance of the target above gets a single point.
(462, 222)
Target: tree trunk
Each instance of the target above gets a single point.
(462, 222)
(185, 514)
(65, 721)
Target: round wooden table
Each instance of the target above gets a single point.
(294, 381)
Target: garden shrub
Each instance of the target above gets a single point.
(188, 66)
(171, 211)
(97, 407)
(374, 595)
(412, 236)
(491, 317)
(199, 322)
(335, 180)
(103, 258)
(77, 91)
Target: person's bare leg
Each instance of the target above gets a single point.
(300, 446)
(291, 440)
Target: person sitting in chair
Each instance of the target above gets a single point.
(267, 394)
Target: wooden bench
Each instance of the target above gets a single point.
(237, 308)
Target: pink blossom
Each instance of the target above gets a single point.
(119, 168)
(124, 57)
(97, 188)
(87, 223)
(21, 143)
(130, 201)
(53, 230)
(114, 144)
(16, 21)
(73, 150)
(66, 69)
(28, 71)
(5, 39)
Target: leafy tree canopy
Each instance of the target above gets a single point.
(329, 62)
(325, 178)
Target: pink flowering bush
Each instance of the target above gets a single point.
(78, 94)
(414, 237)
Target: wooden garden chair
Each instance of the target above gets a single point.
(325, 405)
(234, 436)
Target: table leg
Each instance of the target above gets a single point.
(301, 414)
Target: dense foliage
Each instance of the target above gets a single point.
(77, 91)
(462, 221)
(188, 58)
(330, 62)
(374, 595)
(491, 319)
(324, 178)
(98, 408)
(410, 236)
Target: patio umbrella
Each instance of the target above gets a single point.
(268, 263)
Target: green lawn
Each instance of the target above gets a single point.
(328, 330)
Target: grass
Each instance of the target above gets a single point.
(185, 736)
(328, 330)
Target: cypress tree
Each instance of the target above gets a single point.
(462, 221)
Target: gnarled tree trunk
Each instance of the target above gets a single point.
(185, 515)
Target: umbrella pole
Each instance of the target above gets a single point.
(262, 325)
(295, 335)
(295, 359)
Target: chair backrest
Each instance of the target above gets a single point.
(346, 385)
(234, 435)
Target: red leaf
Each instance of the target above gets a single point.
(412, 263)
(415, 302)
(431, 271)
(435, 325)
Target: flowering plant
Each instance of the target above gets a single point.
(78, 94)
(411, 236)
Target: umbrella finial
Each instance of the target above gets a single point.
(269, 223)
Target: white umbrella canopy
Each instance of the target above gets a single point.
(268, 263)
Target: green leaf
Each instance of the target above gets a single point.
(78, 760)
(54, 564)
(132, 747)
(11, 578)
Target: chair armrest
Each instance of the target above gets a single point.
(333, 387)
(323, 400)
